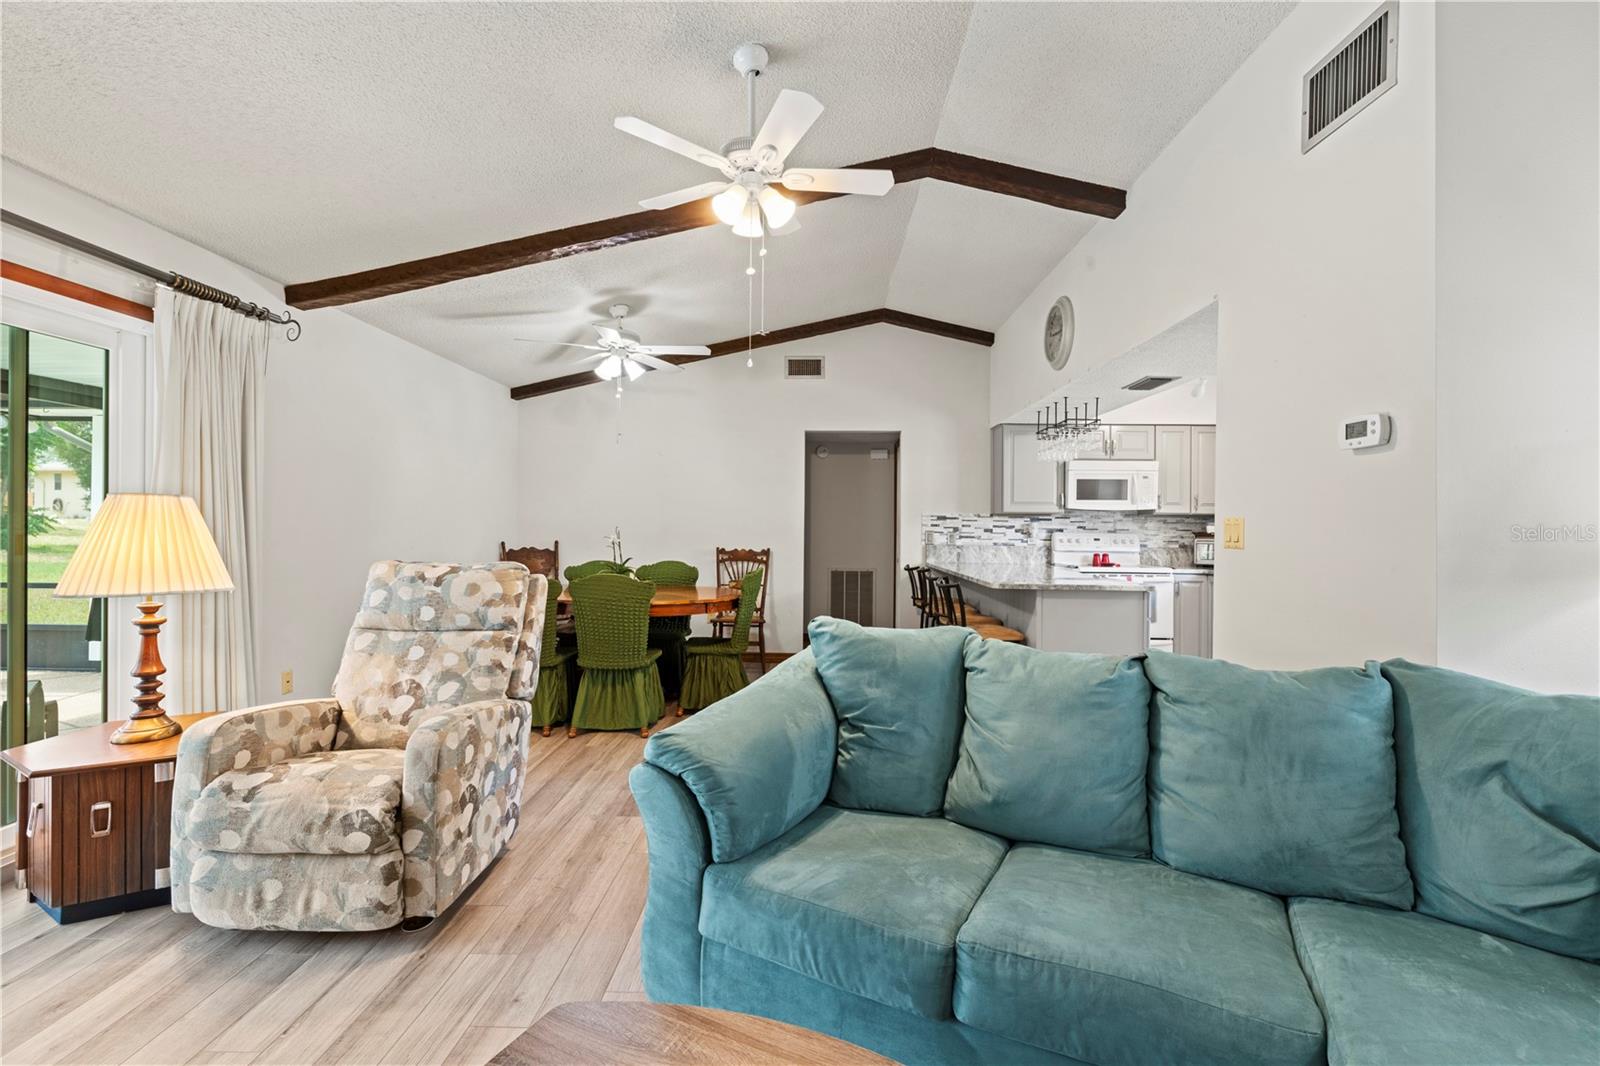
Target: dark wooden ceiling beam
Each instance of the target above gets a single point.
(788, 334)
(1003, 178)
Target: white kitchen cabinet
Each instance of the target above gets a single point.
(1022, 482)
(1132, 442)
(1191, 614)
(1203, 469)
(1174, 493)
(1187, 472)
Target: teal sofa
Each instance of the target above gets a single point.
(950, 850)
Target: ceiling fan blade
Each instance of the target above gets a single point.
(673, 143)
(608, 334)
(860, 182)
(561, 344)
(652, 362)
(673, 349)
(791, 115)
(683, 196)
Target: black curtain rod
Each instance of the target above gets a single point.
(177, 282)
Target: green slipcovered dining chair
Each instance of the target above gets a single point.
(716, 666)
(579, 571)
(550, 698)
(668, 634)
(620, 687)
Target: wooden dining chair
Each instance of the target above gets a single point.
(546, 561)
(732, 566)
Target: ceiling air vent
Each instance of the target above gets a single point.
(803, 366)
(1148, 382)
(1353, 75)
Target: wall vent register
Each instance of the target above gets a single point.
(1357, 72)
(807, 366)
(850, 595)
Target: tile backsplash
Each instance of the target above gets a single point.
(1166, 540)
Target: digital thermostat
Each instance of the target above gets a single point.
(1368, 431)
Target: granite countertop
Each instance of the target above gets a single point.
(1042, 581)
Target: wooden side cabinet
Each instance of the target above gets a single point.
(94, 821)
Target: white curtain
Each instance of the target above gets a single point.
(210, 368)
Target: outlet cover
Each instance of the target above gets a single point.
(1233, 533)
(287, 682)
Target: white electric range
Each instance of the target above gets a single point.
(1072, 555)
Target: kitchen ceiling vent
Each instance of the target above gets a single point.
(803, 366)
(1353, 75)
(850, 595)
(1148, 382)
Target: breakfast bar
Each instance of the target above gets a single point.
(1060, 613)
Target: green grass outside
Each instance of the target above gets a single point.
(47, 561)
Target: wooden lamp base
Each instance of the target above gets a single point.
(149, 722)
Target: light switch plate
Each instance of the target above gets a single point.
(287, 682)
(1233, 533)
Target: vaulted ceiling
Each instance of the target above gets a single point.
(315, 139)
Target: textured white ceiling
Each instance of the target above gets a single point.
(312, 139)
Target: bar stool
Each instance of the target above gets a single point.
(942, 606)
(955, 606)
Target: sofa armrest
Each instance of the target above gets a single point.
(758, 761)
(245, 739)
(680, 851)
(460, 797)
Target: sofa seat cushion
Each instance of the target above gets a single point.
(866, 902)
(1123, 960)
(1401, 987)
(329, 803)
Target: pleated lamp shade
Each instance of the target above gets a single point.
(142, 544)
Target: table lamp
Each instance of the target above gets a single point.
(142, 545)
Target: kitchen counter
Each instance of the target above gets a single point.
(1060, 613)
(1041, 581)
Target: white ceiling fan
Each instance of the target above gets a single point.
(620, 353)
(746, 198)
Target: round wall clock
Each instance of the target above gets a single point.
(1059, 327)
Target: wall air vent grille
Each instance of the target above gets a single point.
(850, 595)
(1353, 75)
(1148, 382)
(803, 366)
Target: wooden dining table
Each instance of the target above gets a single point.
(678, 601)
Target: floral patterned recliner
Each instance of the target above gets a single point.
(382, 804)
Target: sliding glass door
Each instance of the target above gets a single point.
(53, 434)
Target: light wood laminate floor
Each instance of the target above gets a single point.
(557, 919)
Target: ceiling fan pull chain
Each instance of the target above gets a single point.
(750, 305)
(763, 281)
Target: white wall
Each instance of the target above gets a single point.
(1322, 265)
(375, 448)
(716, 455)
(1518, 342)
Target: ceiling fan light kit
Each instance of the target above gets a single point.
(752, 165)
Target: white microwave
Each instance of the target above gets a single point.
(1112, 485)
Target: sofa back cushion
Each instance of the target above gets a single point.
(1500, 806)
(1281, 781)
(1054, 749)
(427, 635)
(898, 696)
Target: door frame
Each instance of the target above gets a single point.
(130, 399)
(891, 438)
